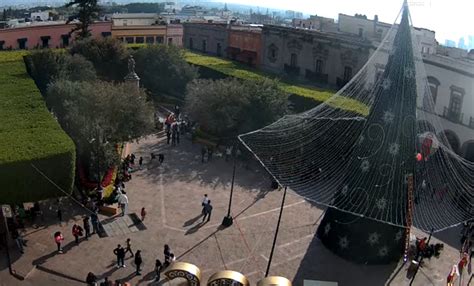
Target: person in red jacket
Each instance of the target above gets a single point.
(76, 232)
(58, 238)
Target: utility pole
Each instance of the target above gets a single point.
(276, 234)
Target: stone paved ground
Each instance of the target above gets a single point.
(172, 195)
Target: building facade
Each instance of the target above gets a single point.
(323, 58)
(206, 38)
(245, 44)
(46, 35)
(150, 34)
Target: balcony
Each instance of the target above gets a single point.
(292, 71)
(453, 116)
(317, 77)
(341, 82)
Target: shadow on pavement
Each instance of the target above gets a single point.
(319, 263)
(56, 273)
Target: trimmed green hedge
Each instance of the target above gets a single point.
(29, 135)
(210, 67)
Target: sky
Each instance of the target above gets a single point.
(449, 19)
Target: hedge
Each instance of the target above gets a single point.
(29, 135)
(211, 67)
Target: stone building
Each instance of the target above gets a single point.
(316, 23)
(46, 35)
(206, 38)
(323, 58)
(245, 44)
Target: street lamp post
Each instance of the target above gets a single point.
(229, 220)
(276, 234)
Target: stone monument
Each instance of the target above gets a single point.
(132, 77)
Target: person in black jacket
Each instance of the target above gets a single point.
(138, 261)
(120, 253)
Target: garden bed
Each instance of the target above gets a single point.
(30, 135)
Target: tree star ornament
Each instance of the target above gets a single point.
(327, 228)
(388, 117)
(393, 149)
(365, 165)
(381, 203)
(343, 242)
(383, 251)
(386, 84)
(373, 238)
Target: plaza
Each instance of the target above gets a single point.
(171, 194)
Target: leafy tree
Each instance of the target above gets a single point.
(108, 55)
(87, 12)
(45, 66)
(163, 69)
(228, 107)
(97, 115)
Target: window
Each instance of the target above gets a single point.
(22, 43)
(455, 103)
(204, 46)
(1, 45)
(139, 40)
(219, 49)
(361, 32)
(150, 40)
(191, 43)
(106, 34)
(170, 41)
(65, 40)
(45, 41)
(347, 73)
(272, 53)
(433, 83)
(130, 40)
(159, 39)
(319, 66)
(294, 60)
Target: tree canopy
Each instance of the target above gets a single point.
(93, 113)
(45, 66)
(108, 55)
(163, 69)
(88, 10)
(229, 107)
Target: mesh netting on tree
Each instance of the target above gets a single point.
(355, 151)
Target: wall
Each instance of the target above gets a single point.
(245, 44)
(150, 34)
(34, 33)
(335, 52)
(212, 34)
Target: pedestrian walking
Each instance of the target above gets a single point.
(143, 213)
(228, 153)
(58, 238)
(95, 222)
(129, 247)
(168, 136)
(132, 159)
(20, 242)
(76, 232)
(138, 261)
(204, 202)
(123, 202)
(203, 153)
(158, 268)
(168, 255)
(87, 226)
(120, 253)
(209, 154)
(106, 282)
(207, 211)
(140, 161)
(161, 158)
(91, 279)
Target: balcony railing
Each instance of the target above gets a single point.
(318, 77)
(455, 117)
(291, 70)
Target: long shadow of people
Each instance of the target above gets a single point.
(45, 258)
(193, 220)
(148, 277)
(195, 228)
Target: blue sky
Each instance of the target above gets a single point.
(450, 19)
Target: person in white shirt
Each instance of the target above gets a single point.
(205, 201)
(123, 202)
